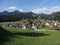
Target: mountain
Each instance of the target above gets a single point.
(54, 16)
(16, 15)
(4, 13)
(16, 12)
(42, 15)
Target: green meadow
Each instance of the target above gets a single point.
(17, 36)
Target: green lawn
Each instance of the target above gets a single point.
(31, 37)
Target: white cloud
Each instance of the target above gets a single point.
(39, 10)
(46, 10)
(20, 10)
(54, 9)
(12, 8)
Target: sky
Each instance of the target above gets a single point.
(36, 6)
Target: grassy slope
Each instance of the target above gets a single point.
(24, 37)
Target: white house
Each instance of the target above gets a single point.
(47, 24)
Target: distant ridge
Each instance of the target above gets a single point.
(17, 15)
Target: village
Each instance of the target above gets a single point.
(24, 24)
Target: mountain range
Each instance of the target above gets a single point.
(17, 15)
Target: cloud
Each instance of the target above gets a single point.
(12, 8)
(39, 10)
(46, 10)
(54, 9)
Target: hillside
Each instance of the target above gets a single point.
(16, 15)
(54, 16)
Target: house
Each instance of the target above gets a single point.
(47, 24)
(23, 26)
(58, 24)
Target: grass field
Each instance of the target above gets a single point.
(31, 37)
